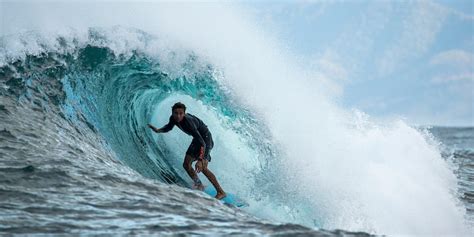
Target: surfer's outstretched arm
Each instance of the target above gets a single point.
(157, 130)
(165, 128)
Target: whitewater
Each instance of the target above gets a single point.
(79, 82)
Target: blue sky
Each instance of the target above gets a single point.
(410, 59)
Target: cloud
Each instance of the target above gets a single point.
(419, 32)
(356, 45)
(453, 77)
(330, 68)
(453, 57)
(459, 14)
(453, 66)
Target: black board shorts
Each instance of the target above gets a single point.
(195, 147)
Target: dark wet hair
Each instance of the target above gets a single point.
(178, 105)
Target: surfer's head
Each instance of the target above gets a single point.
(178, 110)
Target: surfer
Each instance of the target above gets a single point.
(200, 148)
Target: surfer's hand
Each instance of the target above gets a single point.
(153, 128)
(201, 165)
(198, 166)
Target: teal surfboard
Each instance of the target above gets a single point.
(230, 200)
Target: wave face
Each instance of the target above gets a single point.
(74, 110)
(72, 124)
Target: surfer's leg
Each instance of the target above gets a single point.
(212, 178)
(187, 165)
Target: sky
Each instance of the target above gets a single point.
(394, 59)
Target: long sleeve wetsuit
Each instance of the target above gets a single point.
(190, 125)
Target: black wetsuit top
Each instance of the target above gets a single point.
(191, 125)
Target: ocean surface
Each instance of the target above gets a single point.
(457, 147)
(76, 155)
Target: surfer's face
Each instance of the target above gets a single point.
(178, 114)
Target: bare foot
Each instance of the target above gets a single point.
(220, 195)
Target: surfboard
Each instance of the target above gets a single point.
(230, 200)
